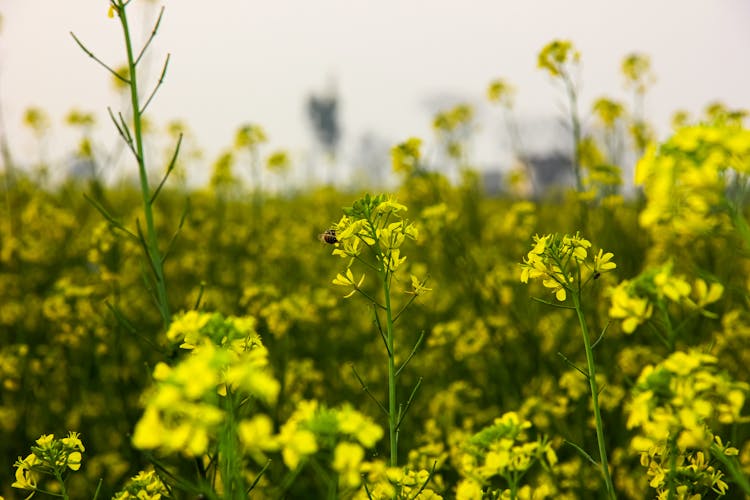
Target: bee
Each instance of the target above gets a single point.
(328, 237)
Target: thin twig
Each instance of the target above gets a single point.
(176, 233)
(117, 125)
(553, 304)
(411, 354)
(424, 485)
(367, 391)
(408, 402)
(92, 56)
(108, 217)
(143, 243)
(601, 336)
(158, 84)
(380, 329)
(411, 299)
(150, 38)
(170, 167)
(572, 365)
(200, 295)
(582, 452)
(260, 474)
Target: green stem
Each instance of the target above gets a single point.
(229, 457)
(152, 243)
(392, 424)
(575, 122)
(63, 490)
(732, 468)
(672, 474)
(594, 397)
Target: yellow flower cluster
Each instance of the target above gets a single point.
(376, 223)
(453, 126)
(405, 156)
(636, 68)
(50, 457)
(388, 483)
(685, 180)
(342, 432)
(556, 56)
(184, 409)
(250, 136)
(501, 92)
(608, 111)
(501, 450)
(633, 301)
(694, 472)
(682, 399)
(235, 333)
(146, 485)
(560, 262)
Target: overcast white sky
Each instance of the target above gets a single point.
(237, 61)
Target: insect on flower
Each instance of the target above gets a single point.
(328, 237)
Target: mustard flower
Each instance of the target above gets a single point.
(257, 437)
(636, 68)
(450, 120)
(695, 475)
(503, 449)
(501, 92)
(685, 179)
(405, 156)
(278, 161)
(632, 309)
(26, 475)
(468, 489)
(558, 261)
(418, 286)
(184, 410)
(556, 55)
(146, 485)
(347, 458)
(608, 111)
(375, 222)
(249, 136)
(50, 456)
(683, 397)
(348, 280)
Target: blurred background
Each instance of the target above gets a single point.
(336, 83)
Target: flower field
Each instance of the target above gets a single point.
(430, 342)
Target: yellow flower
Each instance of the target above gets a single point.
(406, 155)
(74, 460)
(555, 55)
(297, 444)
(468, 489)
(501, 92)
(418, 286)
(348, 280)
(278, 161)
(26, 478)
(602, 261)
(346, 460)
(608, 111)
(256, 434)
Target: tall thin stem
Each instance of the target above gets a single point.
(594, 397)
(392, 416)
(575, 123)
(152, 244)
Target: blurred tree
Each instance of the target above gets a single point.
(323, 113)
